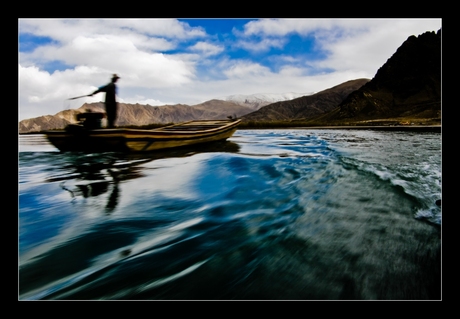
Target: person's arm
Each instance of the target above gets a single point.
(101, 89)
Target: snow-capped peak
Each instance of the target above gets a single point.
(258, 100)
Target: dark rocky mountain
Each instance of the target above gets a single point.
(406, 88)
(306, 107)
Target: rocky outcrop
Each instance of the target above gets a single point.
(41, 123)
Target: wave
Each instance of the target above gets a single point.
(408, 180)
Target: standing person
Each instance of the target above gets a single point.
(110, 100)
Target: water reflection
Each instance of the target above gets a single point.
(60, 243)
(92, 175)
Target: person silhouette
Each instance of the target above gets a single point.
(110, 100)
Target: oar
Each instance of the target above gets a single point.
(73, 98)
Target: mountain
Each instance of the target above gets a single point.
(138, 114)
(407, 86)
(306, 106)
(256, 101)
(218, 109)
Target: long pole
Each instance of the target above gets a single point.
(77, 97)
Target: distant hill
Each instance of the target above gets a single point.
(306, 107)
(256, 101)
(407, 86)
(138, 114)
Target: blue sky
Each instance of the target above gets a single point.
(189, 61)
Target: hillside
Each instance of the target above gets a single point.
(139, 115)
(256, 101)
(306, 106)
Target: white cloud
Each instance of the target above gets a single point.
(261, 45)
(359, 44)
(282, 27)
(369, 46)
(64, 30)
(291, 71)
(303, 27)
(170, 28)
(140, 99)
(207, 49)
(243, 69)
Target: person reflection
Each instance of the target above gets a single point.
(113, 198)
(94, 176)
(99, 188)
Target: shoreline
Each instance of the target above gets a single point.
(413, 128)
(416, 128)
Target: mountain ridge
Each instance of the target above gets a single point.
(306, 106)
(141, 114)
(258, 100)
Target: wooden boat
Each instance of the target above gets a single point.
(90, 137)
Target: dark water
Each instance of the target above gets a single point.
(269, 214)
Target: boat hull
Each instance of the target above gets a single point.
(136, 140)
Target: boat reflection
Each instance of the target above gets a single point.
(91, 175)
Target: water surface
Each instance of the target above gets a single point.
(269, 214)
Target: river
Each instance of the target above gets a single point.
(275, 214)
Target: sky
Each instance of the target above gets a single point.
(190, 61)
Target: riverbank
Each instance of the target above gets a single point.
(417, 128)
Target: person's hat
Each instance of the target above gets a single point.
(115, 76)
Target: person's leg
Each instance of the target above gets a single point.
(111, 115)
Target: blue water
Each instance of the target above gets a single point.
(268, 215)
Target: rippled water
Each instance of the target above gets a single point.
(269, 214)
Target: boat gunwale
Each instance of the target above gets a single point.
(170, 136)
(227, 123)
(124, 132)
